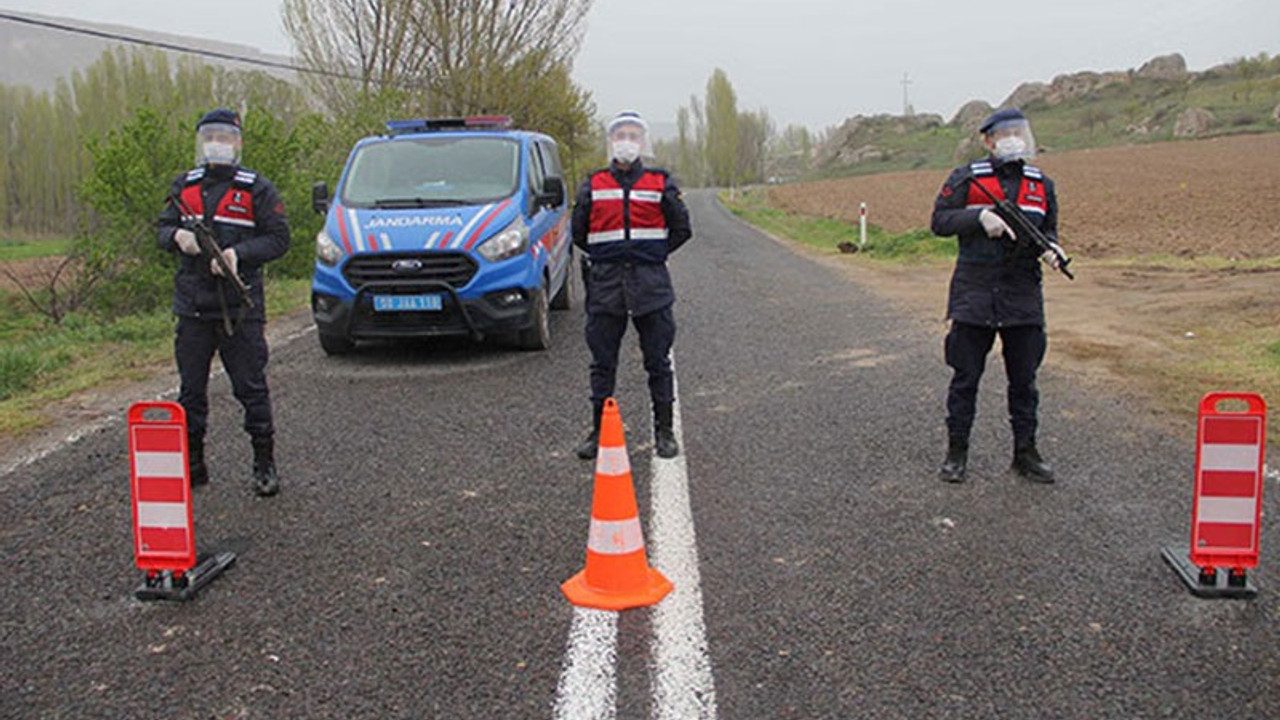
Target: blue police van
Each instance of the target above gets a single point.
(438, 227)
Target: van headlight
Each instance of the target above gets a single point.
(327, 251)
(510, 242)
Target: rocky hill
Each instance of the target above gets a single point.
(1161, 100)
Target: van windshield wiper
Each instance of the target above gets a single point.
(393, 203)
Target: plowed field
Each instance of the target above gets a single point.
(1216, 197)
(1165, 331)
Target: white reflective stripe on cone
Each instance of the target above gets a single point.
(162, 515)
(1237, 458)
(615, 537)
(1227, 510)
(612, 461)
(158, 464)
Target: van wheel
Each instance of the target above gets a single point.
(564, 299)
(335, 344)
(538, 336)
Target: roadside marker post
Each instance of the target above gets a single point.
(1226, 510)
(164, 540)
(862, 225)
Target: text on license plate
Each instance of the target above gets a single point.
(402, 303)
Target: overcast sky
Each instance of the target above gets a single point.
(812, 62)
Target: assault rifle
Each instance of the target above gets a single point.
(1024, 229)
(209, 246)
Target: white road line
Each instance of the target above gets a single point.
(683, 686)
(588, 681)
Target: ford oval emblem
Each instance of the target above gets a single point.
(406, 266)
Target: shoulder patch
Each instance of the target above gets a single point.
(1032, 171)
(194, 176)
(981, 167)
(245, 177)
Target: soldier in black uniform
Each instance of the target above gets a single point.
(247, 217)
(627, 219)
(996, 288)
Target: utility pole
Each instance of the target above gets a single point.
(907, 111)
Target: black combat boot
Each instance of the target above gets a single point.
(1028, 463)
(265, 480)
(197, 471)
(957, 461)
(664, 433)
(587, 448)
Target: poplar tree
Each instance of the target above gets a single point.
(722, 130)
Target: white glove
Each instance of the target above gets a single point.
(233, 262)
(186, 241)
(995, 225)
(1051, 258)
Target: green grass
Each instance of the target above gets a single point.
(42, 363)
(829, 234)
(25, 249)
(1271, 356)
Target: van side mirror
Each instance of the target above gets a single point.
(553, 191)
(320, 197)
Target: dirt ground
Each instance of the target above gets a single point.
(1143, 317)
(1216, 197)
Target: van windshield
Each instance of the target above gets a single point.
(432, 172)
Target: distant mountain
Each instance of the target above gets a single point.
(37, 56)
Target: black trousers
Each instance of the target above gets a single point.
(243, 354)
(966, 349)
(657, 333)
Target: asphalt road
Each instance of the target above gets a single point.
(432, 506)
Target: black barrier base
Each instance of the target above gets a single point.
(164, 586)
(1219, 585)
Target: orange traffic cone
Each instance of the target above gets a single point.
(617, 575)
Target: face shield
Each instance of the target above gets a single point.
(627, 139)
(1012, 140)
(217, 144)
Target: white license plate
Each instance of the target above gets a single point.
(408, 303)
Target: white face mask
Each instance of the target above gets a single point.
(1012, 147)
(626, 151)
(219, 153)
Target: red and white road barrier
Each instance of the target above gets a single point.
(163, 527)
(164, 537)
(1226, 509)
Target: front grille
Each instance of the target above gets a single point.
(380, 324)
(452, 268)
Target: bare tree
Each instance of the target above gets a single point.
(471, 46)
(455, 56)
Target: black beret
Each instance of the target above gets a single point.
(1000, 116)
(221, 116)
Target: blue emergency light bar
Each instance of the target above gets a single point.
(473, 122)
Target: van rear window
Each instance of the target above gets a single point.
(432, 171)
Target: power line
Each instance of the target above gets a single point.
(172, 47)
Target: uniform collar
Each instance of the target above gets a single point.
(220, 171)
(1002, 165)
(635, 171)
